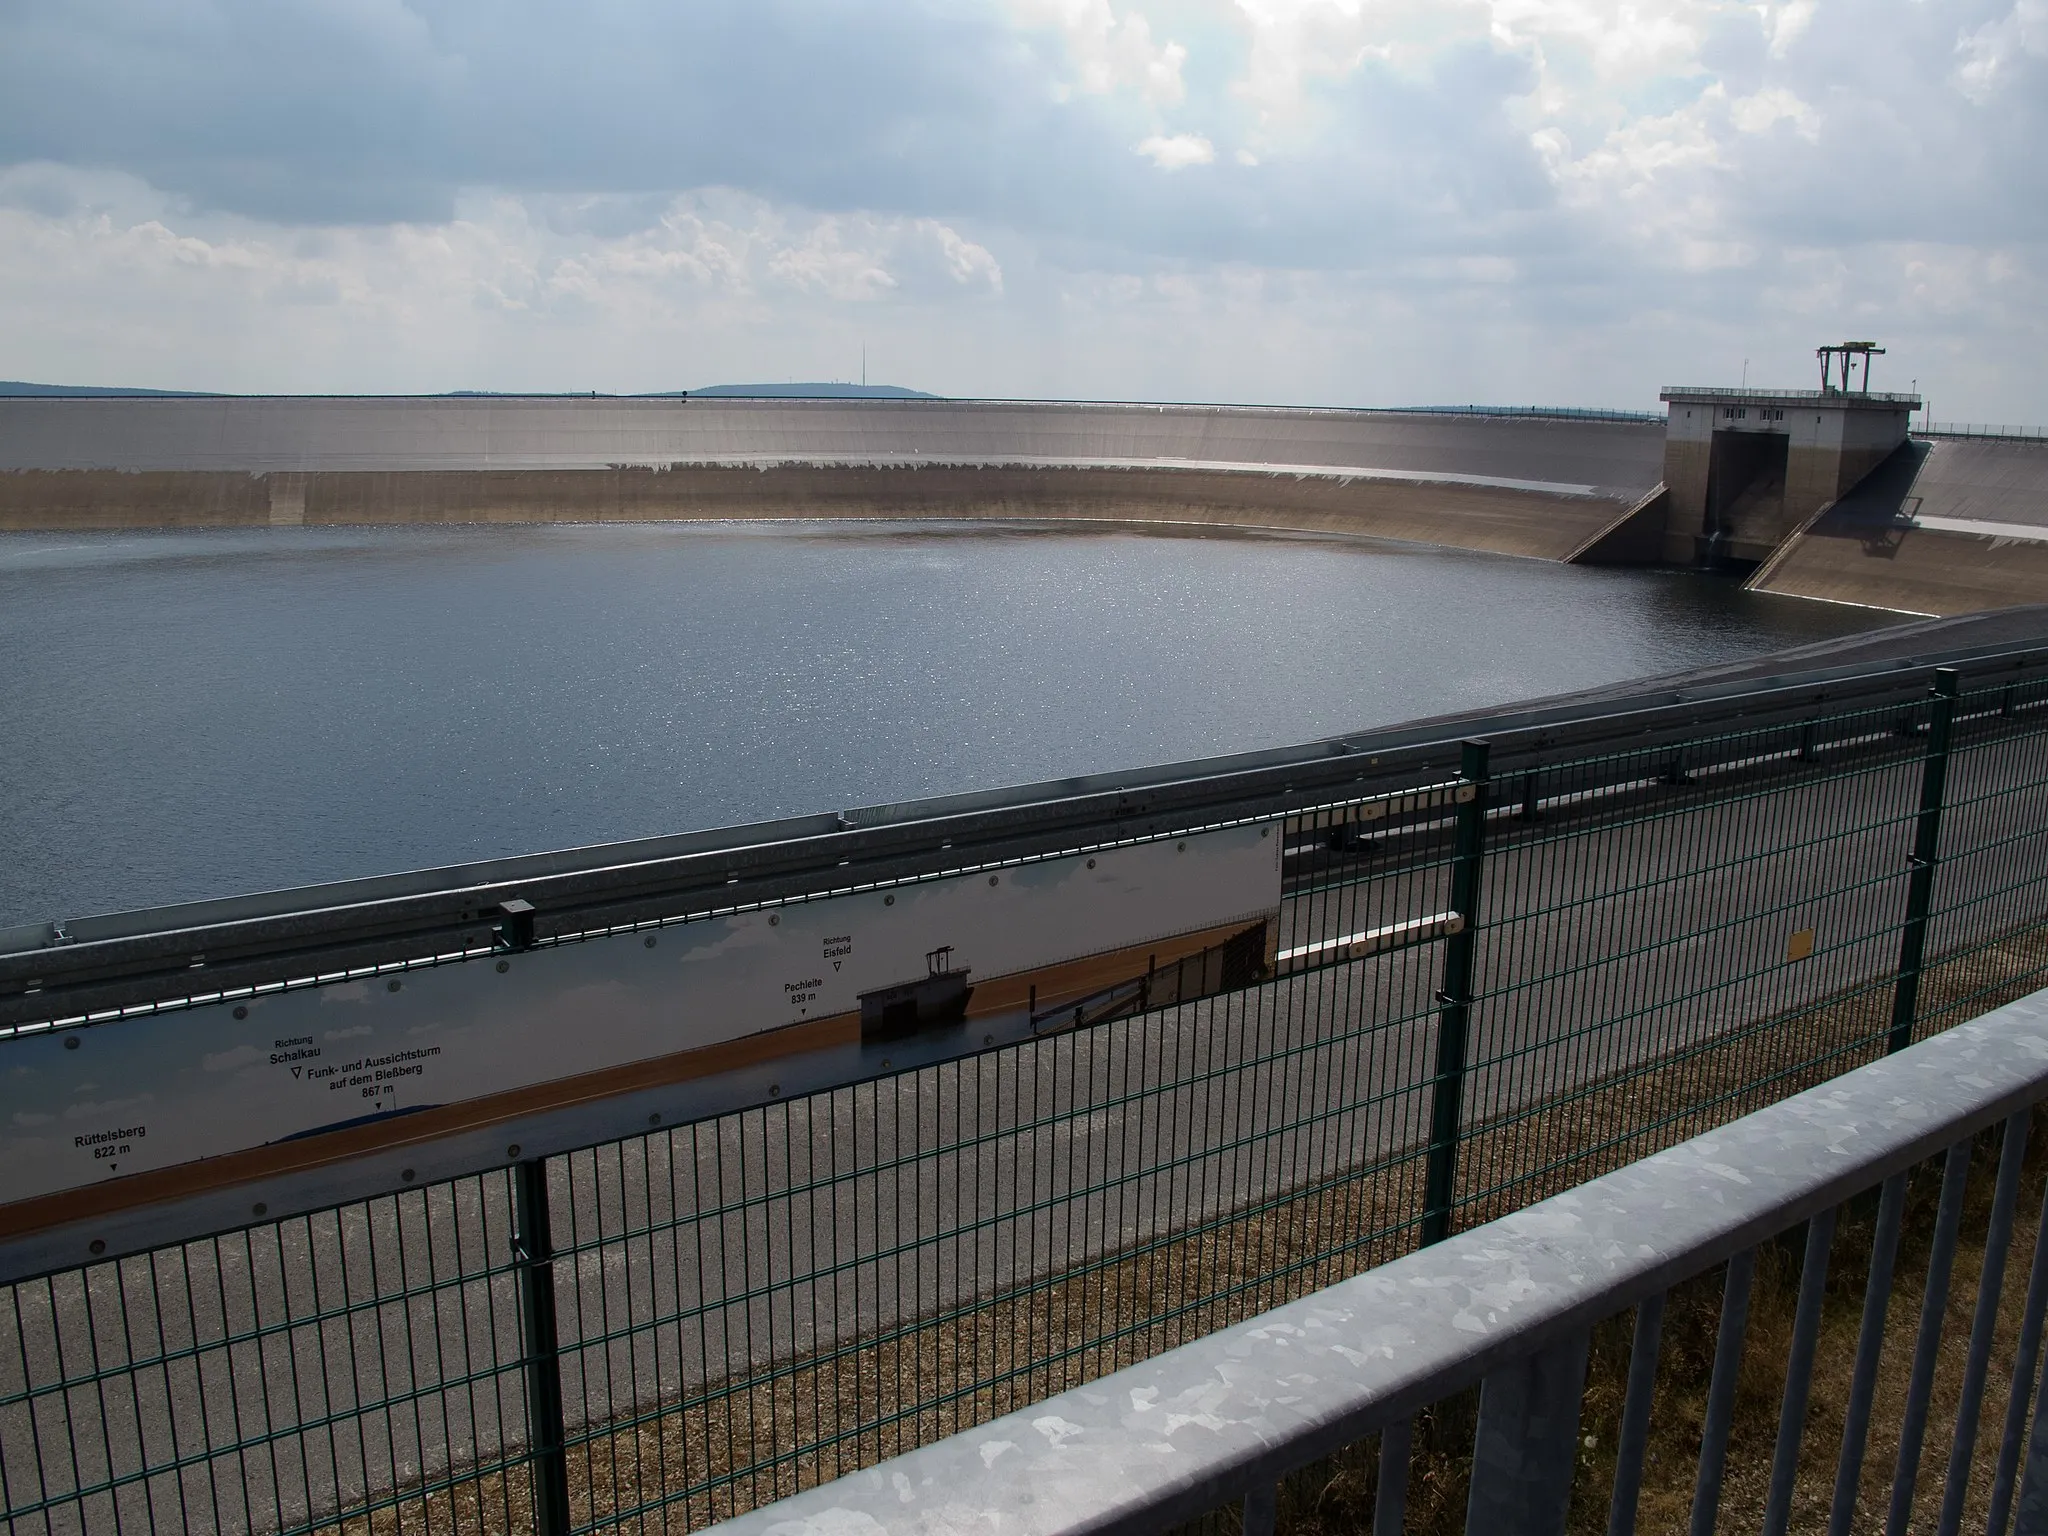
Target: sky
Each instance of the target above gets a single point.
(1347, 202)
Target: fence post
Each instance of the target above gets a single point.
(533, 1247)
(1926, 845)
(1454, 1000)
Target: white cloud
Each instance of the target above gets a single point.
(1292, 42)
(1175, 152)
(979, 187)
(966, 263)
(240, 304)
(1788, 23)
(1111, 52)
(1766, 109)
(1612, 42)
(1987, 55)
(858, 257)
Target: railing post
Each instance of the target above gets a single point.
(1261, 1509)
(1926, 846)
(2031, 1517)
(1390, 1504)
(1454, 999)
(533, 1248)
(1528, 1443)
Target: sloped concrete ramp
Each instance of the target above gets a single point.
(1944, 526)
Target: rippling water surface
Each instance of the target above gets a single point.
(197, 714)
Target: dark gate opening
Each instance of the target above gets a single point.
(1745, 496)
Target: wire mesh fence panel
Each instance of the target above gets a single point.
(1663, 948)
(1990, 891)
(272, 1379)
(1475, 992)
(773, 1298)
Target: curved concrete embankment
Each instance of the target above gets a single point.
(1944, 526)
(1524, 485)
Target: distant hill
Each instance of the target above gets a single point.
(810, 391)
(19, 387)
(816, 391)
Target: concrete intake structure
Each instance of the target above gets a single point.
(1825, 494)
(1745, 468)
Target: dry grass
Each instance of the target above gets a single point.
(752, 1442)
(1336, 1498)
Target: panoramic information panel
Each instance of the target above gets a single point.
(1047, 945)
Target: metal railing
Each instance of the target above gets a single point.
(1602, 931)
(1544, 412)
(1980, 429)
(1811, 396)
(1265, 1416)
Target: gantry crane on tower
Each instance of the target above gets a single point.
(1848, 352)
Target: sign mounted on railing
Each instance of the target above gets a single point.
(255, 1085)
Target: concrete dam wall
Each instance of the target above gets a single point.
(1525, 485)
(1943, 526)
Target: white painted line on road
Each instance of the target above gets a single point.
(1371, 941)
(2025, 532)
(1508, 808)
(1377, 807)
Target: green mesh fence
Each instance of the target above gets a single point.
(1485, 992)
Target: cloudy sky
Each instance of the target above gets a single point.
(1333, 201)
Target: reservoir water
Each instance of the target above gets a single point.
(192, 714)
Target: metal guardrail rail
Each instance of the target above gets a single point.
(1987, 429)
(1817, 396)
(1549, 412)
(82, 970)
(1597, 933)
(1510, 1308)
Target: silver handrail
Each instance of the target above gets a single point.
(1508, 1305)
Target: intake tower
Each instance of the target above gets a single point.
(1747, 468)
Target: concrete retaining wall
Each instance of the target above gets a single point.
(1520, 485)
(1931, 532)
(1509, 521)
(260, 435)
(1917, 571)
(1636, 537)
(1943, 526)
